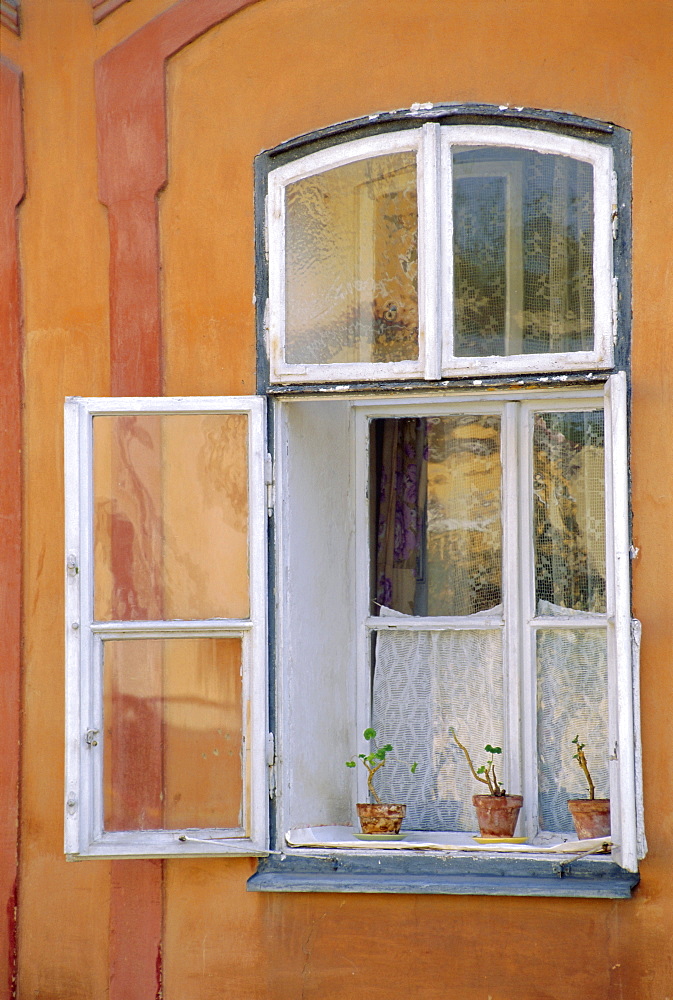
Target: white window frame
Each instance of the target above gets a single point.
(85, 638)
(521, 774)
(434, 146)
(424, 142)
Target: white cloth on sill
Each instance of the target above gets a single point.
(343, 837)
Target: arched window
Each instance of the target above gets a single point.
(443, 303)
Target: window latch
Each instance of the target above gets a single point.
(271, 763)
(270, 485)
(89, 737)
(71, 565)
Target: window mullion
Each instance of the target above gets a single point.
(511, 600)
(445, 201)
(526, 610)
(363, 558)
(429, 256)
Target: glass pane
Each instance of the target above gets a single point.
(436, 506)
(569, 510)
(523, 252)
(171, 516)
(572, 700)
(424, 684)
(351, 254)
(173, 737)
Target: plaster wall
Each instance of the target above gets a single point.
(276, 69)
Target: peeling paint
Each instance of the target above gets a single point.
(160, 974)
(12, 913)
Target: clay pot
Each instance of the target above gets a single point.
(384, 817)
(591, 817)
(497, 814)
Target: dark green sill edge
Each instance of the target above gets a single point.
(472, 876)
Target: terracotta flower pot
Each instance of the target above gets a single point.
(497, 814)
(385, 817)
(591, 817)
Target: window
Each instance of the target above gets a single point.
(452, 560)
(450, 550)
(437, 461)
(165, 627)
(438, 251)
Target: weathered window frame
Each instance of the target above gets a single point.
(333, 870)
(434, 144)
(85, 639)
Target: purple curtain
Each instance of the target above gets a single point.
(402, 491)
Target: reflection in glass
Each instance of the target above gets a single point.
(523, 252)
(572, 699)
(172, 733)
(170, 516)
(436, 504)
(352, 263)
(569, 509)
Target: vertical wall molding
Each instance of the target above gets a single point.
(12, 190)
(132, 170)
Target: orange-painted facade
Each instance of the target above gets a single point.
(128, 133)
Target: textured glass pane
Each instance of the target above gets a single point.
(424, 684)
(351, 254)
(569, 509)
(171, 516)
(436, 504)
(572, 700)
(173, 738)
(523, 252)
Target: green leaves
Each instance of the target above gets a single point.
(375, 760)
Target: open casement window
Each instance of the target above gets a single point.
(439, 251)
(454, 560)
(165, 627)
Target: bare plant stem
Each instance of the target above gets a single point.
(484, 781)
(371, 771)
(582, 761)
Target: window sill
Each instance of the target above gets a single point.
(455, 870)
(470, 875)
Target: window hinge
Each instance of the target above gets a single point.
(615, 206)
(271, 763)
(71, 565)
(270, 484)
(615, 308)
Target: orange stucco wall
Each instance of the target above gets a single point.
(275, 69)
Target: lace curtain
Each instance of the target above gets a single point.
(523, 252)
(424, 683)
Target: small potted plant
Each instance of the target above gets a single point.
(497, 812)
(378, 818)
(591, 816)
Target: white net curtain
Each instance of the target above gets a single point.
(424, 683)
(523, 247)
